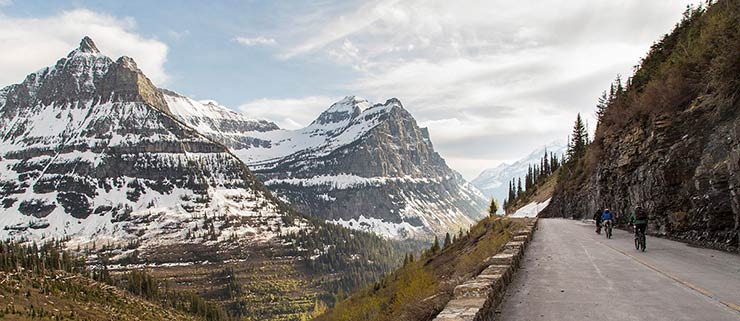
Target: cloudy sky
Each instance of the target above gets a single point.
(492, 79)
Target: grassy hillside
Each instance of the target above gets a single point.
(420, 289)
(47, 283)
(69, 296)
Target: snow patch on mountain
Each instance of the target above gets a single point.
(531, 210)
(344, 181)
(385, 229)
(342, 124)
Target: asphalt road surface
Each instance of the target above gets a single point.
(571, 273)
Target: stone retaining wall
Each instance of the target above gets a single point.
(477, 298)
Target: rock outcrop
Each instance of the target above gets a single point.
(680, 168)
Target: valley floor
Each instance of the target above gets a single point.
(571, 273)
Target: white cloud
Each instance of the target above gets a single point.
(291, 113)
(254, 41)
(487, 71)
(323, 30)
(178, 35)
(31, 43)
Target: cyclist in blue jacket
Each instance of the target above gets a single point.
(606, 215)
(606, 218)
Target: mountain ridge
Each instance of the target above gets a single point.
(349, 147)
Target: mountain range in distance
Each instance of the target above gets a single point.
(92, 150)
(494, 182)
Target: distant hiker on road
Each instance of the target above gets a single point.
(597, 218)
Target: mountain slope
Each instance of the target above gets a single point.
(90, 151)
(75, 297)
(422, 287)
(494, 182)
(670, 141)
(364, 166)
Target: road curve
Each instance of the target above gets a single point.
(571, 273)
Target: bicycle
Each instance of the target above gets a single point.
(608, 228)
(640, 239)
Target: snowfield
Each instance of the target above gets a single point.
(531, 209)
(344, 181)
(385, 229)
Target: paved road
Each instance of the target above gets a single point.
(571, 273)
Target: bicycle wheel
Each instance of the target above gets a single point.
(637, 243)
(643, 241)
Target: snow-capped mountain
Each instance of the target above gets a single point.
(494, 182)
(216, 121)
(90, 149)
(362, 165)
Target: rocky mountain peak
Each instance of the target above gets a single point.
(342, 111)
(125, 82)
(395, 102)
(128, 63)
(87, 45)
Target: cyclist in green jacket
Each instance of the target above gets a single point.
(639, 219)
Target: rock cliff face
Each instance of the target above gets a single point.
(682, 169)
(365, 166)
(671, 142)
(90, 150)
(387, 178)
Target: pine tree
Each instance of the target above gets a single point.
(578, 141)
(620, 88)
(519, 190)
(512, 192)
(601, 106)
(435, 246)
(493, 208)
(448, 241)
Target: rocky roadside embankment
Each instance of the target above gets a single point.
(477, 298)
